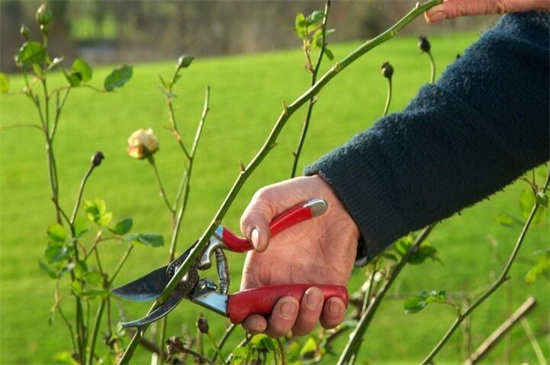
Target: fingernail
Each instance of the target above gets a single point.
(314, 298)
(334, 308)
(436, 16)
(288, 310)
(255, 237)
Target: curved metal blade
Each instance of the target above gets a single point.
(148, 287)
(171, 302)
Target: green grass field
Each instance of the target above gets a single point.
(246, 97)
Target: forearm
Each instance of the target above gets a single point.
(480, 127)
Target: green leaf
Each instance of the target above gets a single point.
(527, 201)
(309, 349)
(30, 53)
(4, 83)
(423, 253)
(316, 17)
(94, 278)
(329, 54)
(57, 233)
(55, 253)
(97, 212)
(80, 74)
(239, 355)
(65, 357)
(49, 270)
(300, 26)
(541, 267)
(80, 227)
(416, 303)
(508, 220)
(80, 270)
(118, 78)
(123, 227)
(149, 239)
(542, 199)
(83, 69)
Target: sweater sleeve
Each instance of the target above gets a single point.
(478, 128)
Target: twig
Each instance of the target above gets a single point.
(314, 73)
(503, 278)
(533, 340)
(497, 335)
(349, 354)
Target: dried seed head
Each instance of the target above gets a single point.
(97, 158)
(387, 70)
(424, 44)
(202, 324)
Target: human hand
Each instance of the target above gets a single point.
(318, 251)
(456, 8)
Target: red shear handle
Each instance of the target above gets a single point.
(261, 300)
(283, 221)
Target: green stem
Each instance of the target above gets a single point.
(432, 67)
(95, 330)
(501, 280)
(349, 354)
(223, 340)
(388, 98)
(151, 160)
(311, 103)
(269, 144)
(217, 350)
(121, 263)
(80, 194)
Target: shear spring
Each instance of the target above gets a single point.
(223, 271)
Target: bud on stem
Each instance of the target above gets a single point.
(44, 17)
(387, 70)
(424, 44)
(97, 158)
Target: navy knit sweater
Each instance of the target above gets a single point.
(478, 128)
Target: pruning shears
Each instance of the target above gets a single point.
(207, 293)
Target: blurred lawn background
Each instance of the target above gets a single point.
(246, 98)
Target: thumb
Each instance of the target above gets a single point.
(255, 224)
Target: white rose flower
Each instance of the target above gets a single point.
(142, 143)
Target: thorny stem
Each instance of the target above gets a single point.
(349, 354)
(172, 113)
(269, 144)
(501, 280)
(49, 135)
(182, 198)
(314, 73)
